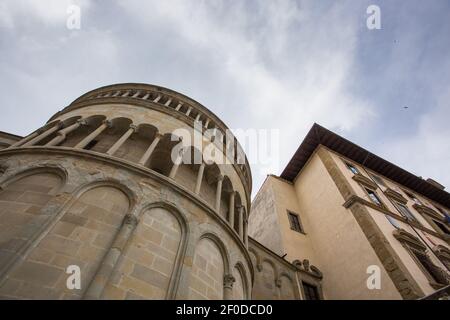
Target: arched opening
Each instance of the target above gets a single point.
(110, 135)
(136, 145)
(227, 189)
(63, 124)
(237, 210)
(189, 168)
(75, 136)
(209, 185)
(161, 158)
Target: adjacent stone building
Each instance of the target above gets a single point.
(355, 215)
(98, 188)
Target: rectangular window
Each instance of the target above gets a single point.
(446, 215)
(294, 221)
(412, 197)
(373, 196)
(352, 168)
(405, 212)
(311, 291)
(429, 266)
(442, 226)
(91, 144)
(378, 180)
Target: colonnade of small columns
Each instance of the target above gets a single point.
(61, 132)
(173, 103)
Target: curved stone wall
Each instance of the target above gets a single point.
(96, 187)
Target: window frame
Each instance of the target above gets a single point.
(414, 246)
(378, 180)
(413, 197)
(307, 285)
(366, 190)
(399, 205)
(350, 165)
(300, 224)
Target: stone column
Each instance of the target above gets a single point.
(228, 281)
(246, 232)
(83, 143)
(62, 134)
(218, 192)
(104, 272)
(42, 136)
(231, 210)
(241, 221)
(177, 162)
(198, 184)
(150, 149)
(122, 140)
(26, 139)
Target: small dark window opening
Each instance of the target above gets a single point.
(429, 266)
(91, 144)
(352, 168)
(412, 197)
(406, 212)
(441, 226)
(373, 196)
(294, 221)
(311, 291)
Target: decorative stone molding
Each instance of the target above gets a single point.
(161, 99)
(316, 272)
(406, 237)
(427, 211)
(397, 271)
(365, 181)
(354, 199)
(130, 219)
(278, 283)
(228, 281)
(306, 265)
(442, 252)
(134, 127)
(309, 269)
(411, 244)
(259, 267)
(390, 193)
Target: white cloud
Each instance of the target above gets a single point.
(46, 11)
(290, 66)
(426, 152)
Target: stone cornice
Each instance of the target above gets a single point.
(390, 193)
(428, 211)
(406, 237)
(356, 199)
(365, 181)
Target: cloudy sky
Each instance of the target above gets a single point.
(279, 65)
